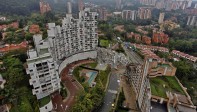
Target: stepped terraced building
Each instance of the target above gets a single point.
(75, 40)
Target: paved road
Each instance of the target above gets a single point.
(72, 86)
(110, 94)
(133, 57)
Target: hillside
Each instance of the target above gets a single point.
(18, 7)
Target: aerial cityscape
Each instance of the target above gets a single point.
(98, 56)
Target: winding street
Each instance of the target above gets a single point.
(72, 87)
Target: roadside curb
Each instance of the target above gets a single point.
(109, 75)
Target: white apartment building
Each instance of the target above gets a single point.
(42, 69)
(129, 14)
(137, 75)
(161, 18)
(74, 36)
(144, 13)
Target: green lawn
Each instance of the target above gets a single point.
(44, 101)
(104, 43)
(90, 65)
(171, 84)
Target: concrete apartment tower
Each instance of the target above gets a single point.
(42, 69)
(80, 5)
(69, 7)
(161, 18)
(74, 36)
(137, 75)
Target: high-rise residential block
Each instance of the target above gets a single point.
(161, 18)
(102, 12)
(144, 13)
(137, 75)
(80, 5)
(69, 7)
(129, 15)
(118, 4)
(148, 2)
(74, 36)
(44, 7)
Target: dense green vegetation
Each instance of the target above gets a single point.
(187, 75)
(18, 7)
(160, 85)
(121, 99)
(44, 101)
(89, 99)
(17, 90)
(103, 43)
(102, 76)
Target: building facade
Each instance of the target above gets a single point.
(137, 75)
(161, 18)
(44, 7)
(74, 36)
(144, 13)
(42, 69)
(129, 15)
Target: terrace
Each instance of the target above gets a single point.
(160, 85)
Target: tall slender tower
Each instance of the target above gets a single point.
(80, 5)
(69, 7)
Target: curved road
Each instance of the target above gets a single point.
(72, 86)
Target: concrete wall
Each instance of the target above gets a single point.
(77, 57)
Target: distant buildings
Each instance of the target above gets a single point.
(144, 13)
(161, 18)
(148, 2)
(10, 47)
(102, 13)
(2, 18)
(129, 14)
(80, 5)
(151, 48)
(185, 56)
(118, 4)
(160, 37)
(192, 21)
(173, 4)
(44, 7)
(169, 25)
(69, 7)
(34, 29)
(10, 25)
(137, 75)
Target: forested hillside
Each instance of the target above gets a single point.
(18, 7)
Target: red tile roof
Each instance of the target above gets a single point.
(10, 47)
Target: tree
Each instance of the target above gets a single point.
(14, 68)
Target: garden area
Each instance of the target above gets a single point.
(160, 85)
(42, 102)
(103, 43)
